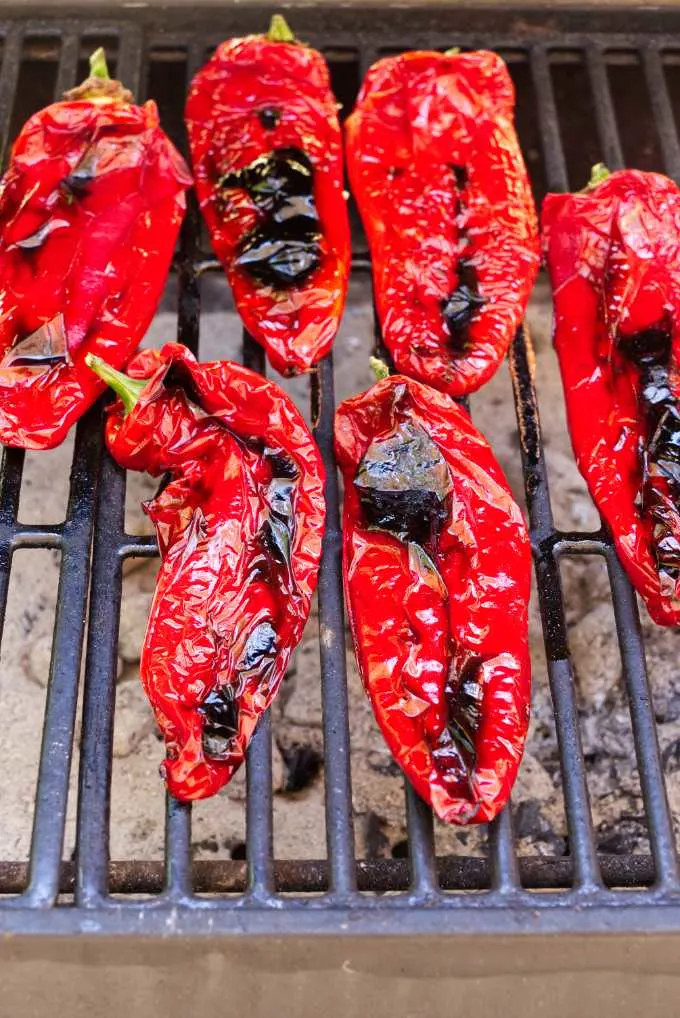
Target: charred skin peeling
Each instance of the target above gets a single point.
(221, 722)
(650, 351)
(460, 306)
(456, 753)
(286, 247)
(260, 648)
(404, 484)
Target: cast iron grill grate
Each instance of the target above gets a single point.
(261, 894)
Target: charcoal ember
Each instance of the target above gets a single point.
(376, 843)
(301, 764)
(134, 720)
(595, 655)
(134, 615)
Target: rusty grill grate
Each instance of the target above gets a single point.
(587, 891)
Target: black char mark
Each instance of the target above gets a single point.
(285, 248)
(650, 351)
(460, 306)
(455, 752)
(221, 722)
(404, 485)
(269, 117)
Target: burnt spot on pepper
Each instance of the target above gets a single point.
(404, 484)
(285, 247)
(260, 648)
(221, 722)
(461, 305)
(269, 117)
(278, 530)
(650, 351)
(456, 752)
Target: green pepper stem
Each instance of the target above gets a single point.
(379, 368)
(598, 173)
(279, 30)
(98, 67)
(453, 52)
(129, 389)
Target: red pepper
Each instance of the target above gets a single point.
(613, 252)
(436, 565)
(267, 153)
(438, 175)
(239, 528)
(90, 208)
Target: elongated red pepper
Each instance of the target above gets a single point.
(436, 566)
(438, 175)
(239, 529)
(267, 154)
(613, 252)
(90, 208)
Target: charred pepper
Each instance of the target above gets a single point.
(267, 154)
(436, 564)
(239, 528)
(613, 253)
(90, 208)
(438, 175)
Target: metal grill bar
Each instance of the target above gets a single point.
(604, 111)
(662, 110)
(560, 673)
(96, 503)
(338, 785)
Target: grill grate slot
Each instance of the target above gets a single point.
(309, 893)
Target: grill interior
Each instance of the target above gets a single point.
(561, 67)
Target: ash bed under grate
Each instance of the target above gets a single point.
(564, 77)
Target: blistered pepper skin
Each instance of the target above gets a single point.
(613, 253)
(438, 175)
(239, 528)
(90, 208)
(440, 628)
(256, 97)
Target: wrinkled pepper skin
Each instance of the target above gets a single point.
(90, 208)
(285, 244)
(613, 253)
(239, 529)
(436, 564)
(438, 175)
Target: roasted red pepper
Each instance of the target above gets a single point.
(239, 528)
(438, 175)
(436, 565)
(613, 252)
(267, 154)
(90, 208)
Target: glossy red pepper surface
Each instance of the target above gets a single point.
(438, 175)
(437, 570)
(239, 528)
(613, 252)
(267, 153)
(90, 207)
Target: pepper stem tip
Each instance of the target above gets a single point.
(598, 173)
(279, 30)
(453, 52)
(379, 368)
(98, 66)
(129, 389)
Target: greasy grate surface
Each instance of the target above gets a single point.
(42, 58)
